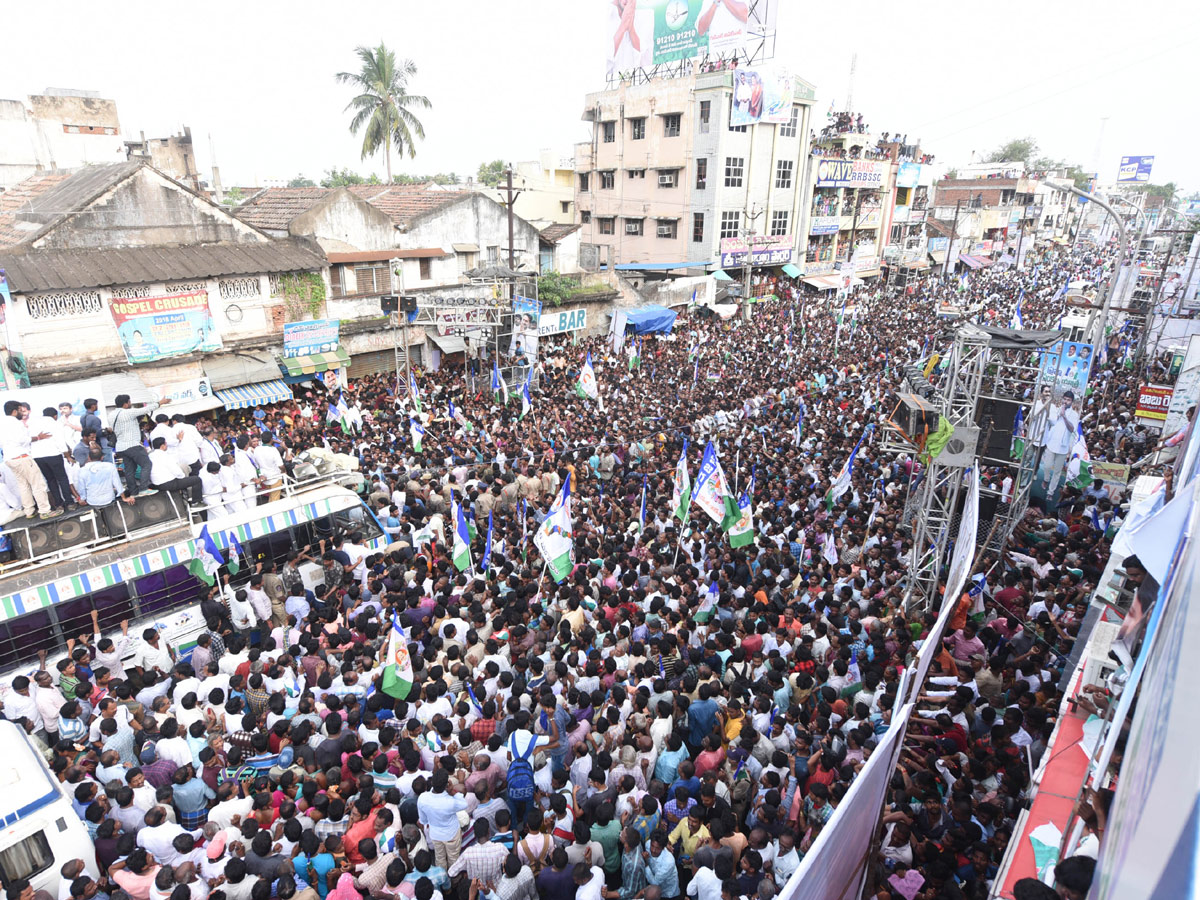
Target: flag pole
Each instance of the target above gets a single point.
(682, 525)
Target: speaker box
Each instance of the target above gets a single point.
(57, 534)
(154, 509)
(389, 303)
(408, 303)
(995, 420)
(915, 416)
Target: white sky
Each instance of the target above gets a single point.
(508, 77)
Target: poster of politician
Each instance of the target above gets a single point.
(1066, 367)
(761, 96)
(644, 33)
(153, 328)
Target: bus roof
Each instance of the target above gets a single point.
(25, 783)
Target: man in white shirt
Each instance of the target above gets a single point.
(1060, 437)
(48, 453)
(16, 445)
(270, 464)
(247, 471)
(167, 475)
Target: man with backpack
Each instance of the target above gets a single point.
(522, 745)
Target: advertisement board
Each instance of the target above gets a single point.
(1187, 388)
(152, 328)
(181, 392)
(527, 315)
(644, 33)
(761, 96)
(916, 216)
(937, 244)
(908, 174)
(560, 322)
(768, 250)
(13, 371)
(1153, 402)
(1135, 169)
(824, 224)
(1066, 367)
(307, 338)
(853, 173)
(1110, 473)
(869, 218)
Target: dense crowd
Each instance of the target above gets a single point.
(677, 717)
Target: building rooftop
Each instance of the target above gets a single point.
(274, 209)
(552, 234)
(40, 202)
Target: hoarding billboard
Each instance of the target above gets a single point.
(559, 322)
(761, 96)
(1153, 403)
(1135, 169)
(153, 328)
(908, 175)
(768, 250)
(1066, 367)
(644, 33)
(852, 173)
(307, 338)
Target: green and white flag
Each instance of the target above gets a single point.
(206, 559)
(742, 531)
(586, 386)
(398, 669)
(681, 491)
(417, 432)
(712, 492)
(554, 538)
(461, 552)
(416, 394)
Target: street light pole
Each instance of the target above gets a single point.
(953, 234)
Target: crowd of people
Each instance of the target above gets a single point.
(677, 717)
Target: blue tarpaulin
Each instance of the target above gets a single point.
(650, 320)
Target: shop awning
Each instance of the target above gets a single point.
(971, 262)
(791, 271)
(938, 256)
(316, 362)
(245, 396)
(191, 407)
(721, 276)
(822, 282)
(448, 343)
(234, 369)
(465, 248)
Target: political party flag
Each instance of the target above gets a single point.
(1018, 320)
(696, 371)
(1079, 468)
(712, 491)
(642, 512)
(681, 491)
(741, 532)
(236, 553)
(554, 536)
(499, 388)
(526, 400)
(343, 413)
(487, 547)
(1017, 450)
(841, 484)
(829, 550)
(398, 670)
(412, 387)
(461, 552)
(206, 558)
(586, 385)
(417, 432)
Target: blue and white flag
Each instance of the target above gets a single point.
(642, 513)
(499, 388)
(487, 547)
(1018, 320)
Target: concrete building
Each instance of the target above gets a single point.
(547, 186)
(996, 210)
(174, 156)
(58, 129)
(667, 182)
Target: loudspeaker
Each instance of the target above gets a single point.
(56, 534)
(914, 416)
(408, 303)
(389, 303)
(995, 420)
(154, 509)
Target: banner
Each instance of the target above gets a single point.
(13, 371)
(908, 174)
(852, 173)
(644, 33)
(190, 391)
(527, 315)
(1135, 169)
(1066, 367)
(938, 244)
(1153, 402)
(560, 322)
(307, 338)
(1110, 473)
(49, 396)
(1187, 389)
(162, 327)
(768, 250)
(824, 224)
(761, 96)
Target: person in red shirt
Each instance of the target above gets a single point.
(362, 825)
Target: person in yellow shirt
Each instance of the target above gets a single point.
(689, 834)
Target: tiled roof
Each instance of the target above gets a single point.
(275, 208)
(40, 202)
(942, 228)
(404, 202)
(552, 234)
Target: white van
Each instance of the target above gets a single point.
(39, 830)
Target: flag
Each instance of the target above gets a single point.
(829, 550)
(206, 558)
(554, 536)
(1017, 450)
(412, 387)
(696, 371)
(586, 385)
(978, 584)
(681, 491)
(343, 413)
(398, 670)
(800, 425)
(236, 553)
(635, 358)
(499, 388)
(642, 513)
(461, 552)
(712, 491)
(526, 400)
(741, 532)
(487, 547)
(417, 432)
(1018, 320)
(842, 483)
(692, 303)
(1079, 468)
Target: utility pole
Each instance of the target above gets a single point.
(748, 236)
(1162, 279)
(950, 246)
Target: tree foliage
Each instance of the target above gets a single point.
(344, 177)
(302, 181)
(1015, 150)
(491, 173)
(556, 289)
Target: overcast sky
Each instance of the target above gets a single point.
(508, 77)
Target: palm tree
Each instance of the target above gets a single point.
(384, 104)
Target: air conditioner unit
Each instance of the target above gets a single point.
(666, 181)
(959, 451)
(633, 228)
(664, 231)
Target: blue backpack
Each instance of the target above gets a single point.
(520, 771)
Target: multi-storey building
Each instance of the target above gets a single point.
(667, 182)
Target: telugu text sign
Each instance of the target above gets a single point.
(764, 250)
(152, 328)
(307, 338)
(1153, 402)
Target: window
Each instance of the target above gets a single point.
(671, 125)
(668, 228)
(583, 182)
(668, 178)
(26, 858)
(585, 216)
(779, 222)
(698, 228)
(609, 131)
(633, 226)
(493, 253)
(606, 224)
(607, 179)
(783, 173)
(566, 205)
(733, 170)
(637, 173)
(335, 281)
(66, 305)
(467, 261)
(426, 268)
(637, 129)
(789, 130)
(902, 196)
(701, 174)
(731, 224)
(705, 115)
(372, 280)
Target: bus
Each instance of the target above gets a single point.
(143, 577)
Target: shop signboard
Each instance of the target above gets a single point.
(562, 321)
(916, 216)
(307, 338)
(851, 173)
(765, 250)
(908, 175)
(824, 224)
(937, 244)
(1153, 402)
